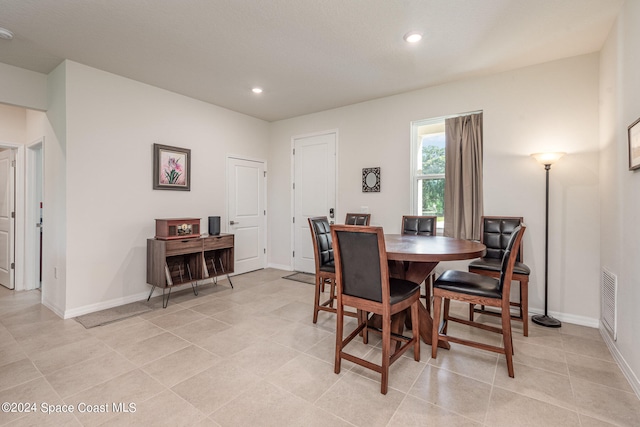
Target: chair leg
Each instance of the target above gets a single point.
(508, 341)
(363, 317)
(333, 292)
(415, 330)
(386, 352)
(339, 339)
(445, 315)
(524, 302)
(316, 302)
(472, 308)
(437, 303)
(428, 284)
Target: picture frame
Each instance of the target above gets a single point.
(633, 134)
(171, 168)
(371, 180)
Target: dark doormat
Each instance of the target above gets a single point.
(307, 278)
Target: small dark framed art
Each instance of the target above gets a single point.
(634, 145)
(370, 180)
(171, 168)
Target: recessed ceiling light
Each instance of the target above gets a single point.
(256, 90)
(5, 34)
(413, 37)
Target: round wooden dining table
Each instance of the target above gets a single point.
(413, 258)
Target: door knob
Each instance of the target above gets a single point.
(233, 222)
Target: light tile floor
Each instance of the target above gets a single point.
(251, 356)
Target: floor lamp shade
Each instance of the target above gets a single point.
(547, 159)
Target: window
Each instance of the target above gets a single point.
(428, 162)
(430, 177)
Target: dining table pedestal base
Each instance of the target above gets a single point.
(413, 258)
(416, 272)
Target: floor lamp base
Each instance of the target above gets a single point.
(544, 320)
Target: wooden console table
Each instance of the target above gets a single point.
(187, 261)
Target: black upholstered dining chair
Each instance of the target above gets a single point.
(416, 225)
(325, 267)
(363, 282)
(495, 233)
(357, 219)
(419, 225)
(477, 289)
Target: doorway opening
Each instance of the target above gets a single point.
(34, 215)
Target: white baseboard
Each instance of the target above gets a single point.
(103, 305)
(622, 363)
(79, 311)
(280, 267)
(56, 310)
(569, 318)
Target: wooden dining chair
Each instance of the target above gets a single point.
(325, 266)
(494, 234)
(477, 289)
(357, 219)
(415, 225)
(363, 283)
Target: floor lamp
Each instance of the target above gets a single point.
(546, 159)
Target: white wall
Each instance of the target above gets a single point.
(620, 194)
(12, 124)
(552, 106)
(37, 91)
(54, 233)
(22, 87)
(112, 124)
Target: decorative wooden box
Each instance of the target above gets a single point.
(177, 228)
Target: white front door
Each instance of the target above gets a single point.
(7, 200)
(314, 162)
(246, 181)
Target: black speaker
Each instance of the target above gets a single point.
(214, 225)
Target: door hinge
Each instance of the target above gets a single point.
(13, 265)
(294, 185)
(265, 174)
(13, 163)
(13, 214)
(294, 151)
(264, 250)
(294, 219)
(294, 254)
(265, 212)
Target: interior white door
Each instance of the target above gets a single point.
(246, 181)
(314, 160)
(7, 201)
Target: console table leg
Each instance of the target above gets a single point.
(165, 302)
(194, 286)
(215, 271)
(222, 267)
(153, 288)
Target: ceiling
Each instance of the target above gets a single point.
(307, 55)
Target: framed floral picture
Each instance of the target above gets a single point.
(171, 168)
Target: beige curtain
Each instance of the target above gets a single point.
(463, 177)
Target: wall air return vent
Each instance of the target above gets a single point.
(609, 302)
